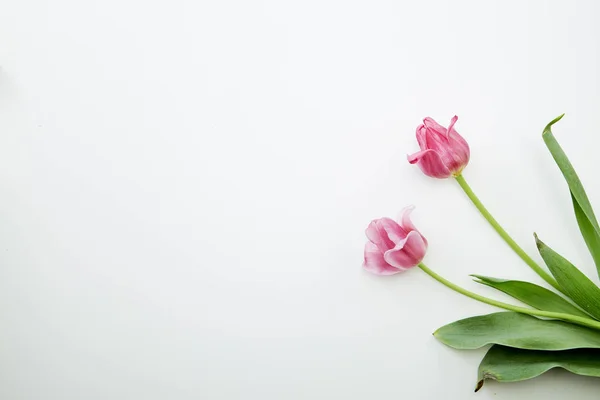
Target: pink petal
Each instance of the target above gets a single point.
(436, 141)
(430, 123)
(385, 233)
(459, 157)
(394, 230)
(458, 144)
(430, 163)
(460, 152)
(375, 263)
(451, 126)
(407, 223)
(404, 219)
(377, 235)
(421, 137)
(407, 253)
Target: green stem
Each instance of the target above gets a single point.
(504, 235)
(538, 313)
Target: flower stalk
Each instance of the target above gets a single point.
(505, 236)
(590, 323)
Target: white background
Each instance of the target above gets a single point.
(184, 188)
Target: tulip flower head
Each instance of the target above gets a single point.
(444, 152)
(393, 246)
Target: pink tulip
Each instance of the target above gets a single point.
(444, 152)
(393, 246)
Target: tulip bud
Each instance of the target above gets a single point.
(444, 152)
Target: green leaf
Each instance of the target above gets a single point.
(586, 219)
(517, 330)
(507, 364)
(592, 239)
(531, 294)
(574, 282)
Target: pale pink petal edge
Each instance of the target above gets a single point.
(375, 263)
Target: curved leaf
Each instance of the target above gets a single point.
(574, 282)
(586, 219)
(590, 236)
(507, 364)
(531, 294)
(516, 330)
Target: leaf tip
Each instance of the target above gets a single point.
(538, 242)
(548, 127)
(486, 278)
(479, 385)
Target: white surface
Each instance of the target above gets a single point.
(185, 186)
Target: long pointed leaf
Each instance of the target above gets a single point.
(586, 219)
(507, 364)
(591, 238)
(532, 295)
(516, 330)
(574, 282)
